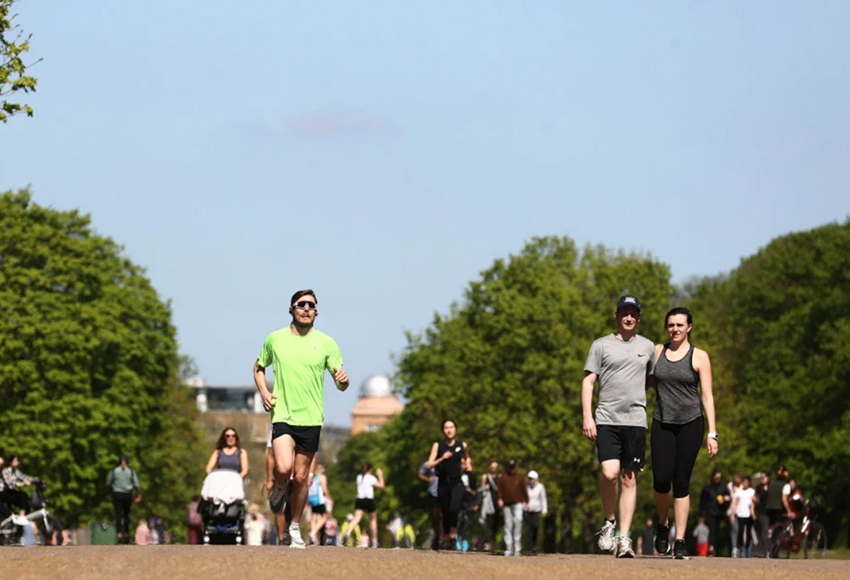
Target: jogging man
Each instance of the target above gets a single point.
(299, 355)
(623, 363)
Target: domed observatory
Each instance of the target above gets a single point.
(376, 405)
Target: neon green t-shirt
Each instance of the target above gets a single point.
(299, 364)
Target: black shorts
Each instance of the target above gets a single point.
(306, 438)
(319, 510)
(365, 504)
(433, 501)
(624, 443)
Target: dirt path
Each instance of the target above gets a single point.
(320, 563)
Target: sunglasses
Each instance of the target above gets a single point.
(230, 435)
(305, 305)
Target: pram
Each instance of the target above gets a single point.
(222, 507)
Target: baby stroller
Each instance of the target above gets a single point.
(222, 507)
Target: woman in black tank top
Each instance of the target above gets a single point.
(682, 379)
(450, 457)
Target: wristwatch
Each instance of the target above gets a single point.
(714, 436)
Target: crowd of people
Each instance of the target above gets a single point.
(623, 364)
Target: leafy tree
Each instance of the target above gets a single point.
(507, 366)
(89, 366)
(781, 322)
(13, 78)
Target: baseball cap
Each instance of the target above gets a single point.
(511, 464)
(533, 475)
(628, 301)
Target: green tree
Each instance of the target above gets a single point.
(89, 366)
(507, 366)
(13, 70)
(781, 323)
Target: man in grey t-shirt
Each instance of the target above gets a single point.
(623, 363)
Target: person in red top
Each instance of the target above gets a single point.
(513, 499)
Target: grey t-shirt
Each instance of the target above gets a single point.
(621, 368)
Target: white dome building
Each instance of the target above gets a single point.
(376, 405)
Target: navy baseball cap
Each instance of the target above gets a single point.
(628, 301)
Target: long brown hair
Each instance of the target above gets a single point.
(222, 440)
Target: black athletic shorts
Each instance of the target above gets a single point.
(365, 504)
(625, 443)
(306, 438)
(319, 509)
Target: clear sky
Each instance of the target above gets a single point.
(383, 153)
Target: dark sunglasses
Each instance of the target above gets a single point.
(305, 304)
(230, 435)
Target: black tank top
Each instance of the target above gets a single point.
(677, 385)
(450, 468)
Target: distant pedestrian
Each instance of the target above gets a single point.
(623, 364)
(144, 537)
(701, 533)
(762, 526)
(538, 507)
(429, 476)
(489, 513)
(714, 501)
(194, 521)
(646, 539)
(123, 481)
(513, 500)
(743, 510)
(365, 502)
(447, 457)
(318, 496)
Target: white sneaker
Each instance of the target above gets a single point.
(606, 537)
(313, 538)
(508, 553)
(295, 537)
(624, 547)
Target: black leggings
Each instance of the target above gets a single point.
(451, 496)
(674, 452)
(122, 502)
(745, 532)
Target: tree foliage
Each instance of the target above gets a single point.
(88, 366)
(13, 70)
(507, 366)
(781, 323)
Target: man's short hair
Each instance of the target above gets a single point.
(301, 294)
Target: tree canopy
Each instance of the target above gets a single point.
(89, 367)
(14, 43)
(506, 365)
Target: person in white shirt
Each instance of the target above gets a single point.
(743, 509)
(365, 502)
(537, 507)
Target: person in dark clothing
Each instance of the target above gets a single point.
(714, 501)
(513, 500)
(124, 485)
(761, 511)
(447, 457)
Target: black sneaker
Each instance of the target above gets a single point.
(662, 540)
(680, 552)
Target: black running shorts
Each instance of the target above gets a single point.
(366, 504)
(306, 438)
(319, 510)
(624, 443)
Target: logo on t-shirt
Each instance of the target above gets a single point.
(457, 449)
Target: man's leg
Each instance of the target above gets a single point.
(517, 513)
(509, 530)
(628, 500)
(300, 485)
(284, 447)
(608, 487)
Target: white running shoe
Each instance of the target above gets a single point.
(314, 539)
(624, 547)
(606, 537)
(295, 537)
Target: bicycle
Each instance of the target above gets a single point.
(10, 527)
(811, 537)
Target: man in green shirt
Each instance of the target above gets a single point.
(299, 355)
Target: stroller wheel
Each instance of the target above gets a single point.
(206, 539)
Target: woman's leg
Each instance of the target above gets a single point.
(688, 443)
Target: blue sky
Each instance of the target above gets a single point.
(384, 153)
